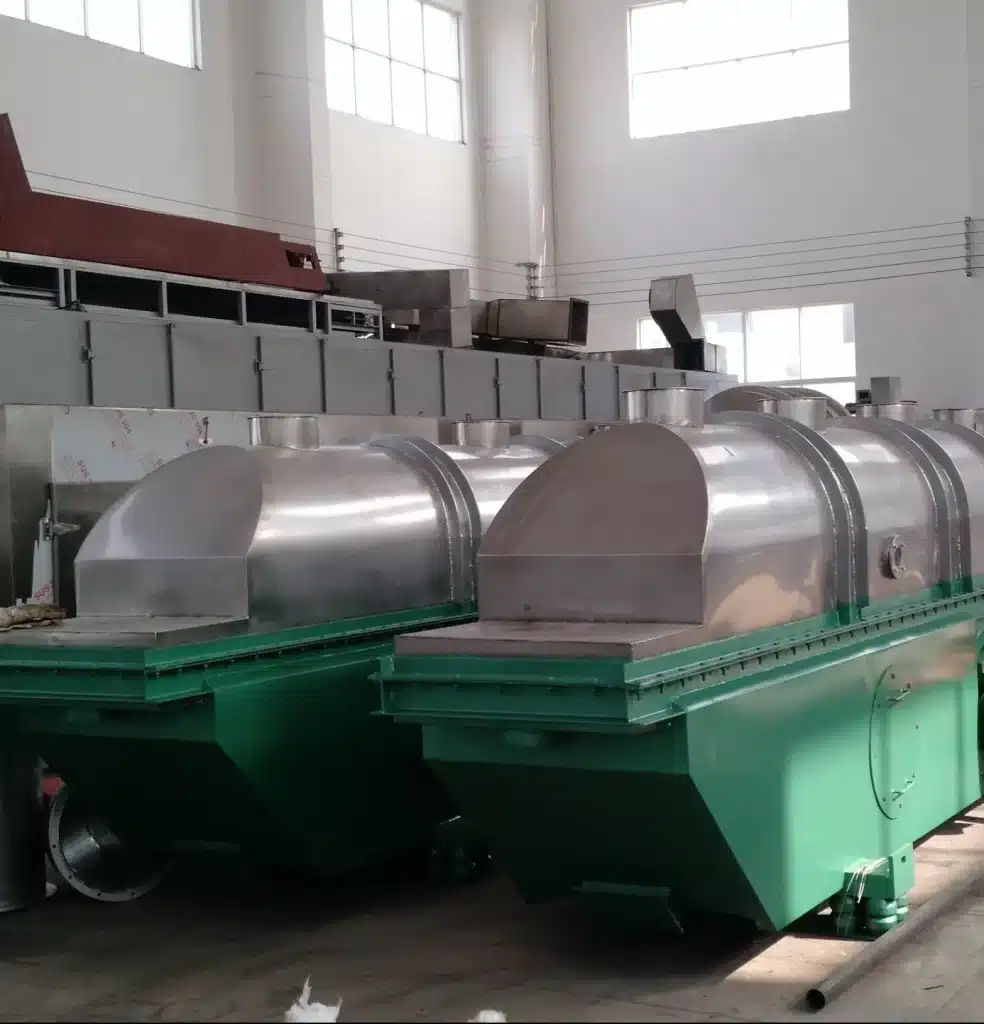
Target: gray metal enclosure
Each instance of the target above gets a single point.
(107, 372)
(80, 334)
(60, 357)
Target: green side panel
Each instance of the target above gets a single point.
(282, 753)
(841, 765)
(162, 664)
(258, 764)
(587, 810)
(755, 781)
(618, 695)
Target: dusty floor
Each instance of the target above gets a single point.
(224, 949)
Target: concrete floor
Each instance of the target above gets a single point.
(211, 949)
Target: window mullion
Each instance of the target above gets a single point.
(428, 76)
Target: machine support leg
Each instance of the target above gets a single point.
(457, 854)
(873, 900)
(22, 831)
(875, 952)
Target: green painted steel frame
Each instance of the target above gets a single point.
(757, 776)
(634, 695)
(239, 742)
(132, 677)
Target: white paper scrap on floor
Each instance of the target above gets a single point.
(306, 1011)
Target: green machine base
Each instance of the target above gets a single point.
(268, 744)
(762, 777)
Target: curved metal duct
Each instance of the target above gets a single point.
(266, 537)
(749, 398)
(772, 522)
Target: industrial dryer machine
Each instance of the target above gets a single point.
(726, 667)
(213, 690)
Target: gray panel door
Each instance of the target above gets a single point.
(561, 397)
(41, 357)
(291, 372)
(600, 392)
(357, 377)
(214, 367)
(518, 399)
(416, 381)
(469, 385)
(664, 378)
(129, 363)
(632, 378)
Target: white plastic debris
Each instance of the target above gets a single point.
(305, 1010)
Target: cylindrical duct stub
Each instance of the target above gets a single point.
(676, 407)
(904, 412)
(965, 417)
(93, 859)
(300, 432)
(633, 406)
(767, 405)
(811, 411)
(482, 433)
(671, 407)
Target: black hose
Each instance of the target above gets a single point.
(874, 953)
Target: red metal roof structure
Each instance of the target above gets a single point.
(40, 224)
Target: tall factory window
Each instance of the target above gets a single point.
(701, 64)
(165, 29)
(395, 61)
(808, 345)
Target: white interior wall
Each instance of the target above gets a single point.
(909, 152)
(101, 122)
(401, 198)
(248, 138)
(512, 93)
(273, 116)
(412, 199)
